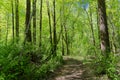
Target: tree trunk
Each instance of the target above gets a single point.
(0, 33)
(92, 30)
(61, 24)
(49, 17)
(17, 19)
(54, 28)
(104, 35)
(13, 34)
(34, 22)
(28, 21)
(7, 25)
(97, 23)
(66, 40)
(91, 24)
(40, 42)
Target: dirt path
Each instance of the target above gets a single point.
(73, 70)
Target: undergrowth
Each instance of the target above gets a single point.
(106, 65)
(19, 62)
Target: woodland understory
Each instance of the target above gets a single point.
(59, 40)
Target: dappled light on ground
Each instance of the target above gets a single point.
(73, 70)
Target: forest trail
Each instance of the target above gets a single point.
(73, 69)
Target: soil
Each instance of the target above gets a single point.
(73, 69)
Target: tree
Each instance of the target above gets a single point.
(17, 19)
(7, 27)
(13, 34)
(28, 37)
(34, 22)
(40, 42)
(103, 27)
(54, 28)
(62, 27)
(66, 39)
(91, 23)
(49, 17)
(0, 32)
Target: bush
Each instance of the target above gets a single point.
(107, 66)
(23, 63)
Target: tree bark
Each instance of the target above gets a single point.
(91, 24)
(54, 28)
(28, 22)
(34, 22)
(66, 40)
(104, 35)
(0, 33)
(62, 28)
(7, 27)
(13, 34)
(40, 42)
(17, 19)
(49, 17)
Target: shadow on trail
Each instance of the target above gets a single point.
(73, 69)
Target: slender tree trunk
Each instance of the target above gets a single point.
(7, 29)
(0, 33)
(28, 37)
(54, 28)
(13, 34)
(34, 22)
(91, 24)
(61, 23)
(49, 17)
(98, 25)
(65, 31)
(63, 50)
(62, 27)
(66, 39)
(104, 35)
(40, 42)
(113, 41)
(17, 19)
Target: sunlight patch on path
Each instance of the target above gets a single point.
(73, 69)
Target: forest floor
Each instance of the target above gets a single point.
(74, 69)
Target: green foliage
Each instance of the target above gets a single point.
(20, 63)
(24, 62)
(13, 62)
(106, 65)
